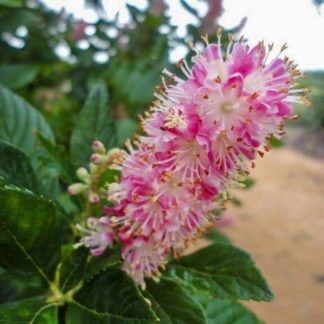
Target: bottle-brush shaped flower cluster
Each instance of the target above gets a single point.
(202, 134)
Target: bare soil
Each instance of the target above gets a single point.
(281, 223)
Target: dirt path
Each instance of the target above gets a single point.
(282, 225)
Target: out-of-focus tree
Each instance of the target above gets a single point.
(58, 57)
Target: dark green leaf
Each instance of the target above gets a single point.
(48, 314)
(218, 237)
(17, 76)
(103, 262)
(111, 297)
(3, 182)
(125, 129)
(73, 269)
(219, 311)
(172, 305)
(15, 288)
(59, 158)
(221, 270)
(109, 176)
(30, 237)
(93, 123)
(29, 311)
(70, 204)
(11, 3)
(7, 291)
(15, 167)
(47, 173)
(19, 121)
(77, 313)
(76, 266)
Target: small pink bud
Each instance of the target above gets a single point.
(77, 188)
(98, 147)
(97, 158)
(97, 252)
(94, 198)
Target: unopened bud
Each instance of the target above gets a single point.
(115, 154)
(98, 158)
(93, 167)
(82, 174)
(98, 147)
(77, 188)
(93, 198)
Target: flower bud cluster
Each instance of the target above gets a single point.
(101, 160)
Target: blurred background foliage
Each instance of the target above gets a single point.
(52, 59)
(313, 118)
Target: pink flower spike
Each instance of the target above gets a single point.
(203, 133)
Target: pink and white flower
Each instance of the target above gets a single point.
(204, 131)
(143, 257)
(98, 235)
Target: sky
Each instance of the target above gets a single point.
(296, 22)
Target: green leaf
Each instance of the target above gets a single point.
(111, 297)
(59, 158)
(3, 182)
(217, 237)
(12, 3)
(236, 201)
(48, 175)
(30, 233)
(73, 269)
(47, 314)
(172, 305)
(78, 266)
(276, 142)
(14, 287)
(15, 167)
(124, 76)
(103, 262)
(221, 270)
(248, 182)
(18, 75)
(109, 176)
(219, 311)
(19, 121)
(125, 129)
(93, 123)
(29, 311)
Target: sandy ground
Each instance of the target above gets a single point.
(281, 223)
